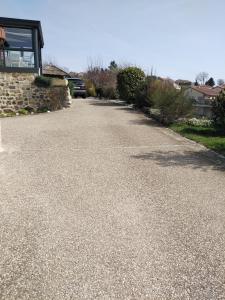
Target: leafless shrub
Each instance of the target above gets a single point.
(104, 79)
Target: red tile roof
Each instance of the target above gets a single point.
(218, 88)
(206, 90)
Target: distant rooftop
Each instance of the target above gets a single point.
(183, 82)
(207, 90)
(52, 70)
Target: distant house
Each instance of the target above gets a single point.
(219, 88)
(171, 82)
(202, 97)
(183, 83)
(203, 92)
(54, 71)
(76, 74)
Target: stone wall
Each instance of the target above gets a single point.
(17, 90)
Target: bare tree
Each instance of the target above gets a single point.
(94, 63)
(101, 77)
(74, 74)
(49, 60)
(220, 81)
(202, 77)
(104, 79)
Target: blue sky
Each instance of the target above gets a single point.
(178, 38)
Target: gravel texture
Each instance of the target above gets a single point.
(99, 202)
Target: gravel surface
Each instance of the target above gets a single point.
(99, 202)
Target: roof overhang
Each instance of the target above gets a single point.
(209, 93)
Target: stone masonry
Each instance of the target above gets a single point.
(17, 90)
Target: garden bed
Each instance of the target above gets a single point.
(210, 137)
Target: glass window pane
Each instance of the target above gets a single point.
(1, 58)
(77, 81)
(18, 38)
(19, 59)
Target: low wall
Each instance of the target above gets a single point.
(17, 90)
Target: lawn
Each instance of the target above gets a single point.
(208, 136)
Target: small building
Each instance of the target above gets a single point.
(219, 88)
(54, 71)
(170, 82)
(183, 83)
(21, 42)
(202, 97)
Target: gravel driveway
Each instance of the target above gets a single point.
(99, 202)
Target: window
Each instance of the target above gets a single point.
(1, 58)
(18, 38)
(19, 59)
(77, 81)
(18, 50)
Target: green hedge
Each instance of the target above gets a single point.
(42, 81)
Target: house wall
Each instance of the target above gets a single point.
(203, 111)
(17, 91)
(193, 94)
(202, 108)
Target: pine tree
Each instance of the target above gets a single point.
(210, 82)
(113, 65)
(196, 83)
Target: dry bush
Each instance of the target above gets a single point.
(103, 79)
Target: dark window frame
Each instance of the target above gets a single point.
(23, 49)
(35, 48)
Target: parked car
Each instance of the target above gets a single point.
(79, 88)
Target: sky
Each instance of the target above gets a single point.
(175, 38)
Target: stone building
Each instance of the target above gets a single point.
(21, 43)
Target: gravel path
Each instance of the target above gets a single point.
(98, 202)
